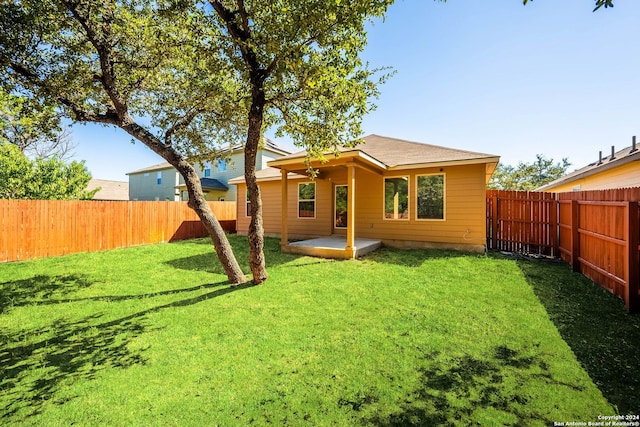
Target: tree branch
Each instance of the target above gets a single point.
(180, 124)
(105, 53)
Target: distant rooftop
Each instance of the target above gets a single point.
(614, 159)
(109, 190)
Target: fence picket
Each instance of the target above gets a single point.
(42, 228)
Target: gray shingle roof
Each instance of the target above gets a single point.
(394, 152)
(109, 190)
(212, 184)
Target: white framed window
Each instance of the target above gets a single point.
(307, 200)
(222, 165)
(396, 197)
(159, 178)
(430, 197)
(207, 169)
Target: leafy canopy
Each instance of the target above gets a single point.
(44, 179)
(528, 176)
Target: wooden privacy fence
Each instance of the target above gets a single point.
(522, 221)
(42, 228)
(596, 232)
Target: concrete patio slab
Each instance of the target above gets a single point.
(334, 246)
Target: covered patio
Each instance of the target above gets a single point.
(334, 246)
(337, 245)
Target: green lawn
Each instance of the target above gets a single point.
(154, 336)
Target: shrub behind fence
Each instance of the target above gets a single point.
(43, 228)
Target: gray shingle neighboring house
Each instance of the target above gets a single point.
(163, 182)
(109, 189)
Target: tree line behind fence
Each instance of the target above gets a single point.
(43, 228)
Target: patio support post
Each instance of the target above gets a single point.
(284, 238)
(351, 209)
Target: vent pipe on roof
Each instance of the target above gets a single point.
(633, 144)
(613, 152)
(600, 158)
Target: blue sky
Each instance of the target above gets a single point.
(490, 76)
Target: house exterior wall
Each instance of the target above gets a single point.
(144, 185)
(464, 225)
(627, 175)
(264, 157)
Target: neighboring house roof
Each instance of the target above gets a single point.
(209, 184)
(159, 166)
(622, 157)
(109, 190)
(268, 145)
(392, 153)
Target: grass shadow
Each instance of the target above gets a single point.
(594, 323)
(34, 370)
(38, 288)
(209, 263)
(456, 390)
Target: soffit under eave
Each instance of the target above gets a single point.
(356, 158)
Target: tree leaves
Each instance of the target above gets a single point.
(528, 176)
(43, 179)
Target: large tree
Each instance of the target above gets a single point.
(121, 63)
(300, 73)
(528, 176)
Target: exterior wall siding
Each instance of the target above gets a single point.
(144, 186)
(464, 225)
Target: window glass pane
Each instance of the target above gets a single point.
(431, 197)
(307, 191)
(222, 165)
(396, 198)
(306, 209)
(306, 200)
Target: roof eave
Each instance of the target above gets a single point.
(484, 160)
(602, 168)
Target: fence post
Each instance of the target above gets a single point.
(631, 262)
(553, 227)
(575, 236)
(494, 222)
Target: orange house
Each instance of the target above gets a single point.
(384, 191)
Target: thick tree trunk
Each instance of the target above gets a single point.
(199, 204)
(256, 229)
